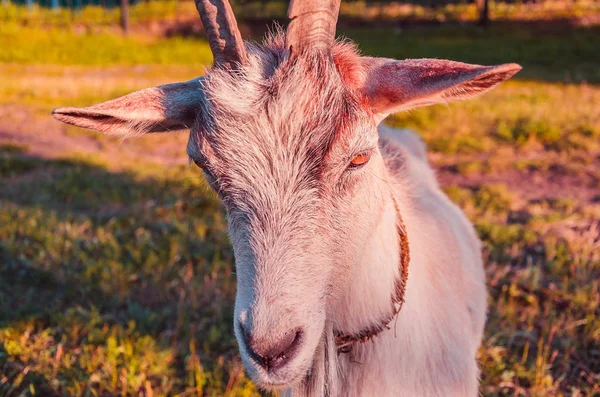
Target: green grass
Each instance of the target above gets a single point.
(116, 275)
(559, 117)
(66, 47)
(135, 294)
(564, 55)
(116, 282)
(522, 116)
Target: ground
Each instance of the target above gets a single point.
(116, 275)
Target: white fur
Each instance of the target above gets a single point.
(430, 348)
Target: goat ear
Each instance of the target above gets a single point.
(391, 86)
(157, 109)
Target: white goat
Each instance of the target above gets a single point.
(323, 207)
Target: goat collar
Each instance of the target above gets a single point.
(345, 342)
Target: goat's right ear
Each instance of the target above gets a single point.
(157, 109)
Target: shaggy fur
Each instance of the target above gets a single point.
(317, 247)
(316, 240)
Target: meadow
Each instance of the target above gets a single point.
(116, 274)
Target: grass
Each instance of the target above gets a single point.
(116, 275)
(132, 296)
(525, 116)
(544, 273)
(63, 46)
(556, 55)
(561, 54)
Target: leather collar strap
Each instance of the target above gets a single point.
(345, 342)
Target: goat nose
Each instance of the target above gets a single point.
(272, 355)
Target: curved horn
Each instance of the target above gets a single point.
(312, 24)
(222, 32)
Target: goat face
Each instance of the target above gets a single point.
(290, 157)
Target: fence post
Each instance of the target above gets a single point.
(125, 16)
(54, 4)
(483, 7)
(29, 4)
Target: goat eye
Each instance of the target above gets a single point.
(360, 160)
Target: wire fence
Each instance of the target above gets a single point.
(117, 3)
(74, 4)
(105, 12)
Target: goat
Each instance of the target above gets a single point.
(356, 275)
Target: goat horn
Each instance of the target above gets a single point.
(312, 25)
(222, 32)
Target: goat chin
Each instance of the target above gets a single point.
(322, 378)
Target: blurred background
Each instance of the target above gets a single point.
(116, 276)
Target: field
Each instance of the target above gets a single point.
(116, 275)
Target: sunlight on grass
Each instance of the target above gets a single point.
(65, 46)
(538, 332)
(48, 86)
(564, 56)
(521, 115)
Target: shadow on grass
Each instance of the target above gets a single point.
(116, 283)
(110, 264)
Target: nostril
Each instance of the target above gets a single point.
(271, 354)
(285, 349)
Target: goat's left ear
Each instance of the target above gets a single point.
(391, 86)
(157, 109)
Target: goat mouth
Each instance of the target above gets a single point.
(274, 385)
(291, 373)
(268, 384)
(310, 378)
(285, 377)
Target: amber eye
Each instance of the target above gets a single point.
(360, 160)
